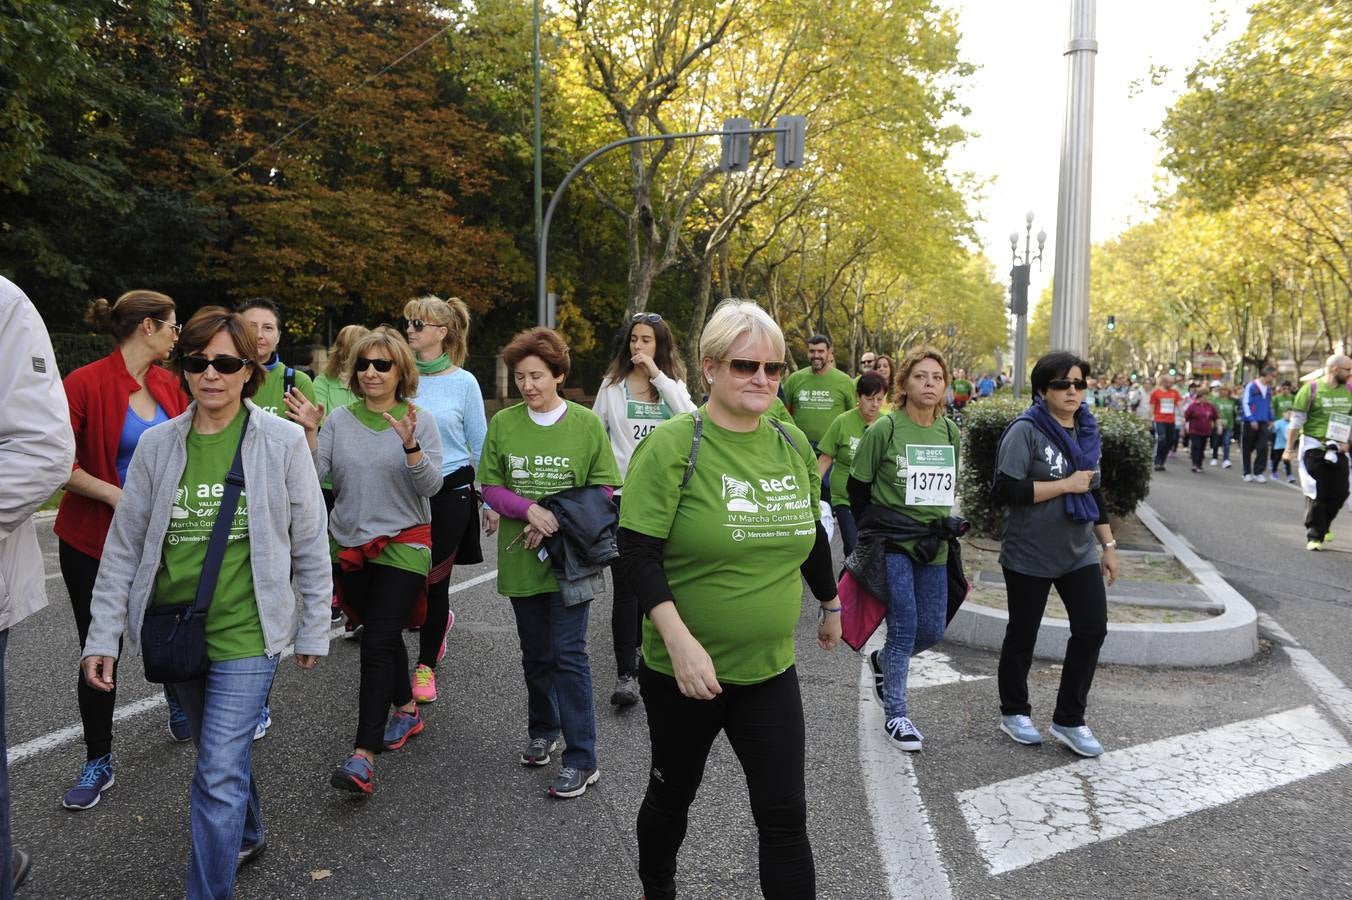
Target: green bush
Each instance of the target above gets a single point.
(76, 350)
(1128, 451)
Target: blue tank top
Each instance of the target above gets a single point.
(133, 426)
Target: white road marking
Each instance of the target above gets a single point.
(901, 828)
(1332, 692)
(1035, 817)
(1272, 627)
(38, 745)
(934, 669)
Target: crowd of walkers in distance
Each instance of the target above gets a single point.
(365, 486)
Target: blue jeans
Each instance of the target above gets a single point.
(1221, 442)
(223, 710)
(849, 531)
(558, 674)
(1166, 439)
(917, 610)
(6, 848)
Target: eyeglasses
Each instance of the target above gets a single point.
(178, 329)
(646, 317)
(749, 367)
(382, 365)
(226, 365)
(414, 324)
(1065, 384)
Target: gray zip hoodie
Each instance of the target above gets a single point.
(286, 534)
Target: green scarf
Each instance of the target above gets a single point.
(440, 364)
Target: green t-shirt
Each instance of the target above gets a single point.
(735, 538)
(536, 461)
(911, 462)
(1226, 407)
(778, 411)
(269, 396)
(841, 443)
(233, 630)
(962, 389)
(1328, 403)
(1281, 403)
(816, 400)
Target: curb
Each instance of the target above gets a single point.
(1228, 638)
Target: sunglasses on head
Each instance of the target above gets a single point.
(226, 365)
(646, 317)
(1065, 384)
(382, 365)
(749, 367)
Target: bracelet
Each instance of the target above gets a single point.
(1111, 545)
(822, 611)
(416, 448)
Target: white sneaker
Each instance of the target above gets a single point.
(1261, 479)
(1214, 462)
(1248, 478)
(1226, 464)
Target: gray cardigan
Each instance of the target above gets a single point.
(287, 535)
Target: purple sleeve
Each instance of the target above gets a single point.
(506, 501)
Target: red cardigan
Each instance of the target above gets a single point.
(99, 395)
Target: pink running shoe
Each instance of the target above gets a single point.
(450, 623)
(424, 685)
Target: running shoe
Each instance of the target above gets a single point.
(251, 854)
(335, 611)
(902, 733)
(23, 863)
(95, 778)
(1314, 545)
(875, 661)
(1021, 729)
(1214, 462)
(424, 684)
(1328, 537)
(350, 631)
(264, 723)
(1248, 478)
(1226, 464)
(1260, 478)
(178, 719)
(1078, 738)
(357, 775)
(573, 782)
(538, 750)
(402, 727)
(626, 691)
(450, 623)
(1290, 479)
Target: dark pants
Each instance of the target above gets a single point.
(1221, 441)
(1277, 453)
(849, 531)
(1253, 446)
(1330, 480)
(6, 845)
(1166, 438)
(764, 725)
(1085, 598)
(96, 707)
(558, 674)
(1197, 444)
(452, 512)
(626, 622)
(383, 596)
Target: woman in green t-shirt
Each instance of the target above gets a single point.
(908, 465)
(715, 552)
(533, 450)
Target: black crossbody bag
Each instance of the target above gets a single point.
(174, 636)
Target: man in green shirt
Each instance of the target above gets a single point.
(819, 393)
(266, 319)
(1321, 428)
(1225, 405)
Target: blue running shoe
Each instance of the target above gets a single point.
(178, 719)
(1078, 738)
(264, 723)
(95, 778)
(1021, 729)
(356, 775)
(402, 727)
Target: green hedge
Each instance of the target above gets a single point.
(75, 350)
(1128, 451)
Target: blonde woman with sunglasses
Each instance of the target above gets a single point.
(644, 387)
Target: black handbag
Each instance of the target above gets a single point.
(174, 635)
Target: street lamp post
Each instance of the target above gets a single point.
(1019, 277)
(1070, 280)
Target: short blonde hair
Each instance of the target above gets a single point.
(731, 320)
(451, 314)
(398, 350)
(909, 362)
(341, 351)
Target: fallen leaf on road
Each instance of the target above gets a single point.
(320, 874)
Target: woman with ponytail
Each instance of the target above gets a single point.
(112, 403)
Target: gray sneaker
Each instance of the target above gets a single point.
(626, 691)
(573, 782)
(1078, 738)
(1021, 729)
(537, 752)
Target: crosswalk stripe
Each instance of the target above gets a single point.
(1034, 817)
(934, 669)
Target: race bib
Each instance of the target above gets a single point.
(931, 474)
(1166, 406)
(1340, 427)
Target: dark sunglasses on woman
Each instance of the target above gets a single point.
(646, 317)
(414, 324)
(196, 364)
(382, 365)
(1065, 384)
(749, 367)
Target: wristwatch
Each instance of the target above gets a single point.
(412, 450)
(1111, 545)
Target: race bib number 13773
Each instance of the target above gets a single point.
(931, 475)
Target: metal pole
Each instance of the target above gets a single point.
(539, 168)
(1070, 285)
(1020, 353)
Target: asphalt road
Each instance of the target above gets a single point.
(454, 815)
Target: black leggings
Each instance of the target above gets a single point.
(1086, 601)
(96, 707)
(764, 725)
(452, 512)
(626, 622)
(383, 596)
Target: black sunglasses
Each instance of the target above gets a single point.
(226, 365)
(1065, 384)
(382, 365)
(749, 367)
(648, 318)
(414, 324)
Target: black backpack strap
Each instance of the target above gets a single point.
(220, 531)
(694, 448)
(288, 380)
(783, 432)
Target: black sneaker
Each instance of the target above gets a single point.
(626, 691)
(251, 854)
(537, 752)
(902, 733)
(573, 782)
(875, 661)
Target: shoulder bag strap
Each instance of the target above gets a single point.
(220, 531)
(694, 448)
(779, 426)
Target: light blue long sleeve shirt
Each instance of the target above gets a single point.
(458, 405)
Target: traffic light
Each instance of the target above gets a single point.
(1173, 371)
(736, 145)
(1112, 322)
(790, 143)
